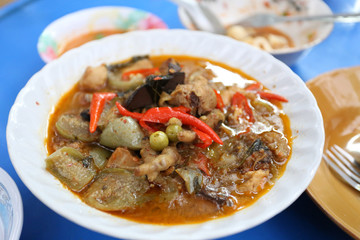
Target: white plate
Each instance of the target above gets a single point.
(27, 127)
(11, 208)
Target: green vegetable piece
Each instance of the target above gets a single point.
(109, 113)
(116, 189)
(71, 168)
(74, 128)
(172, 131)
(169, 189)
(192, 177)
(100, 156)
(116, 82)
(122, 132)
(158, 141)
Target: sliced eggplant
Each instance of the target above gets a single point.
(169, 188)
(100, 156)
(116, 189)
(192, 177)
(115, 71)
(216, 195)
(122, 132)
(71, 168)
(120, 66)
(116, 82)
(74, 128)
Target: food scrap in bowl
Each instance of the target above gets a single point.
(286, 41)
(265, 38)
(163, 140)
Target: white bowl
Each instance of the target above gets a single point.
(11, 208)
(27, 128)
(70, 26)
(305, 35)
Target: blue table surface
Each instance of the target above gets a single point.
(20, 26)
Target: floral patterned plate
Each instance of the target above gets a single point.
(77, 28)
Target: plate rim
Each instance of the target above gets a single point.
(270, 214)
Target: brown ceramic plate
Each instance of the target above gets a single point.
(338, 97)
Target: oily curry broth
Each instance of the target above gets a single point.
(193, 208)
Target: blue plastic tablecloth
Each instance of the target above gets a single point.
(20, 26)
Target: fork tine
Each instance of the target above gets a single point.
(345, 177)
(343, 167)
(346, 159)
(345, 154)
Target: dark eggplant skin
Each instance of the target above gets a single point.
(119, 66)
(141, 97)
(149, 93)
(85, 115)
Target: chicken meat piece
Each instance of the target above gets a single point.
(152, 165)
(214, 118)
(94, 78)
(254, 181)
(122, 158)
(197, 96)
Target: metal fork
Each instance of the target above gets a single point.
(344, 165)
(263, 19)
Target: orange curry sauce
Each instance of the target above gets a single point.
(194, 209)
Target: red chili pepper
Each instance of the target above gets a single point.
(206, 139)
(163, 115)
(254, 86)
(202, 163)
(145, 72)
(219, 101)
(125, 112)
(97, 106)
(272, 96)
(240, 100)
(182, 109)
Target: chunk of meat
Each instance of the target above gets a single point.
(254, 181)
(278, 145)
(258, 156)
(122, 158)
(186, 136)
(152, 166)
(199, 97)
(94, 78)
(193, 71)
(214, 118)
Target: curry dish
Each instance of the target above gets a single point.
(168, 140)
